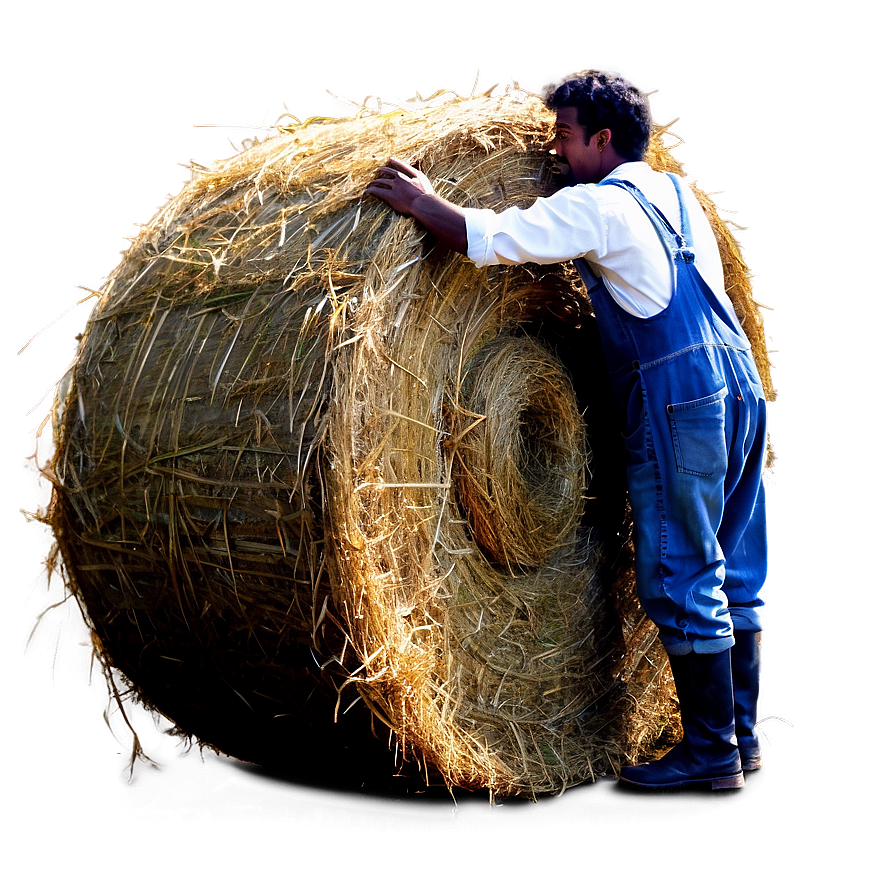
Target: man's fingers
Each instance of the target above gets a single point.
(399, 185)
(390, 173)
(403, 167)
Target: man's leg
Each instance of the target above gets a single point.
(680, 571)
(745, 575)
(745, 667)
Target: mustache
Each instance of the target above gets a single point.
(562, 171)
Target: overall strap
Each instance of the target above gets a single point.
(685, 218)
(677, 244)
(722, 312)
(678, 247)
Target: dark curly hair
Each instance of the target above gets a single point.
(606, 100)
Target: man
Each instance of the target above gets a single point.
(690, 398)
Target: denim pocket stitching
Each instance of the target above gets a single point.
(674, 413)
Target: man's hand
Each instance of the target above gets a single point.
(399, 185)
(409, 192)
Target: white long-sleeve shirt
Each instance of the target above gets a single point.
(605, 226)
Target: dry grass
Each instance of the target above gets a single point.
(318, 481)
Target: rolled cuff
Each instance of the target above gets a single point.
(479, 237)
(676, 645)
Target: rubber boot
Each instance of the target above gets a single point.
(745, 676)
(707, 755)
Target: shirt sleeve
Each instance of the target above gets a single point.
(556, 228)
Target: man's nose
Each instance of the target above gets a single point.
(558, 156)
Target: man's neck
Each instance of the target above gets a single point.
(610, 161)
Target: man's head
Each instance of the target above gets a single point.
(604, 101)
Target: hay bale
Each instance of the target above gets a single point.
(317, 481)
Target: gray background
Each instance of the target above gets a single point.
(780, 109)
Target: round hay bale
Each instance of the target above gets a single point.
(318, 482)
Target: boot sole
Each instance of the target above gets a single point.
(729, 782)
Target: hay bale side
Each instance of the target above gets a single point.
(279, 491)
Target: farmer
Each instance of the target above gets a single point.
(690, 401)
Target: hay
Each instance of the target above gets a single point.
(519, 452)
(317, 480)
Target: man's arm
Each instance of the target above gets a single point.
(409, 192)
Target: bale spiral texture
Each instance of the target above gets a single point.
(317, 481)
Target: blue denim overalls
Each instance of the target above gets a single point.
(694, 428)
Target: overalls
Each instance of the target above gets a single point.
(694, 428)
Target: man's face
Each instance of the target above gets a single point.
(584, 159)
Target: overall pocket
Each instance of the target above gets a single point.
(698, 434)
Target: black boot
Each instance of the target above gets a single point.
(707, 754)
(745, 676)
